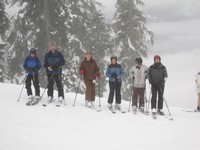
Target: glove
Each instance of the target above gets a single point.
(99, 76)
(82, 72)
(114, 75)
(55, 68)
(31, 69)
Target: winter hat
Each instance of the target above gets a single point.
(52, 43)
(138, 60)
(33, 51)
(157, 57)
(113, 57)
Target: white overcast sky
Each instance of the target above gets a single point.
(175, 23)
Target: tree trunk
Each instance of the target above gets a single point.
(47, 20)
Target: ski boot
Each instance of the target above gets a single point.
(30, 100)
(160, 112)
(154, 113)
(135, 110)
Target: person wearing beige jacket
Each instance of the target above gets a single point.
(197, 81)
(139, 76)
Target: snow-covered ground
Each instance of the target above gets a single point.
(76, 127)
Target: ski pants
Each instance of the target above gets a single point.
(115, 87)
(90, 90)
(157, 90)
(138, 92)
(34, 78)
(57, 79)
(198, 102)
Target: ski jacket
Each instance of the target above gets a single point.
(117, 69)
(139, 76)
(157, 74)
(197, 81)
(32, 65)
(90, 68)
(54, 60)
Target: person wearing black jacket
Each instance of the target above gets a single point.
(157, 75)
(53, 63)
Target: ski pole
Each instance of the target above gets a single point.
(149, 98)
(131, 96)
(77, 91)
(60, 78)
(22, 87)
(165, 101)
(145, 97)
(47, 85)
(99, 95)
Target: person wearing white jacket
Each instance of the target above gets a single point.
(197, 81)
(139, 76)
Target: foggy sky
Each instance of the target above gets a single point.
(175, 23)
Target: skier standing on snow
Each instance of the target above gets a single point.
(32, 65)
(198, 89)
(114, 72)
(139, 76)
(89, 69)
(53, 63)
(157, 75)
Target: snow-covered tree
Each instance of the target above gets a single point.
(4, 25)
(131, 37)
(75, 25)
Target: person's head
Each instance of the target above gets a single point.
(113, 59)
(138, 61)
(32, 52)
(157, 59)
(88, 56)
(52, 47)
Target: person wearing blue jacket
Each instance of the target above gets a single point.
(32, 65)
(53, 63)
(114, 72)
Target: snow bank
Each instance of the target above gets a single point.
(76, 127)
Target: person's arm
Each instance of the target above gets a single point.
(108, 72)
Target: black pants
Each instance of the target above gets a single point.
(34, 78)
(115, 87)
(157, 89)
(57, 79)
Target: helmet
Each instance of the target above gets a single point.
(33, 51)
(113, 57)
(138, 60)
(157, 57)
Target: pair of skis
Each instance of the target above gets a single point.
(169, 117)
(114, 110)
(51, 101)
(92, 107)
(32, 101)
(191, 110)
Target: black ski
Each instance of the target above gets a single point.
(191, 110)
(49, 102)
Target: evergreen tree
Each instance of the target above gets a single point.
(70, 23)
(4, 25)
(131, 37)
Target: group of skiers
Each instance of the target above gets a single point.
(54, 61)
(89, 70)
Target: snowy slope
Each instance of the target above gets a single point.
(51, 128)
